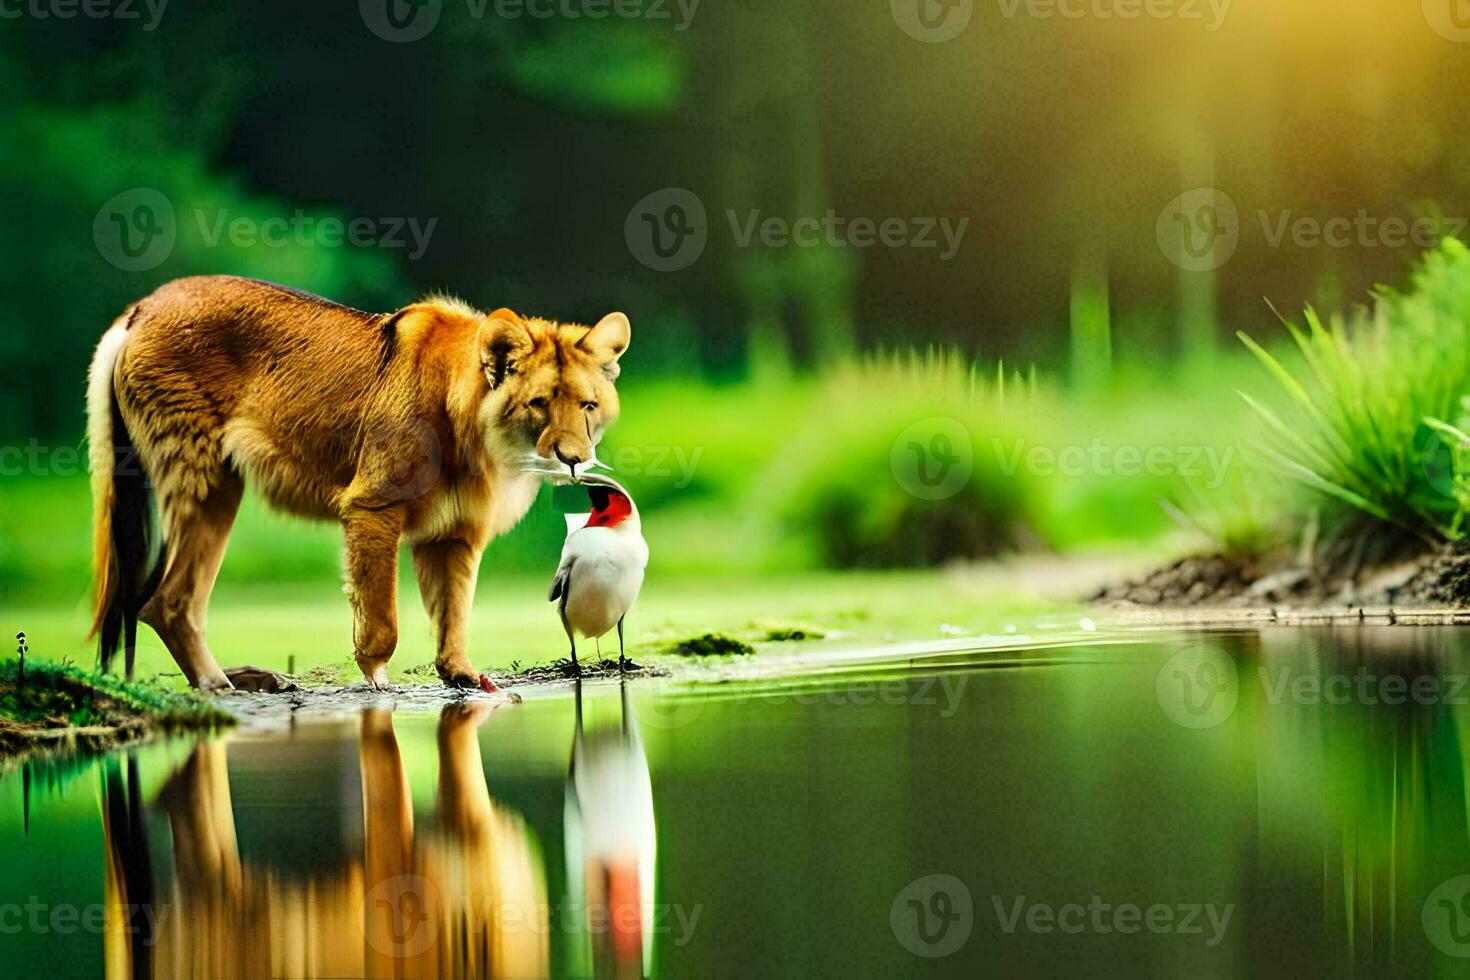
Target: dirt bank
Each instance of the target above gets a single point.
(59, 709)
(1419, 578)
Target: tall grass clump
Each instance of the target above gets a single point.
(850, 482)
(1375, 416)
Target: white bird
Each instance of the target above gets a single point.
(602, 565)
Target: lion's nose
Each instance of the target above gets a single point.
(572, 460)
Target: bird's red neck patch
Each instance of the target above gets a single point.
(609, 507)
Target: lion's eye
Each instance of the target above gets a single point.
(590, 406)
(540, 404)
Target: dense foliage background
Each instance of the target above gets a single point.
(503, 158)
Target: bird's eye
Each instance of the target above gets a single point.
(589, 406)
(540, 404)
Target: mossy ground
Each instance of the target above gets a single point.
(44, 699)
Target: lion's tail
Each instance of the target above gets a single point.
(122, 510)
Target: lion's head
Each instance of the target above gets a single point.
(552, 384)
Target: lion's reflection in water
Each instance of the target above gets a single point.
(467, 898)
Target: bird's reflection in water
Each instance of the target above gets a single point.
(611, 847)
(462, 900)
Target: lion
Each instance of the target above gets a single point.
(419, 424)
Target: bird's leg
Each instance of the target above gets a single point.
(622, 658)
(576, 667)
(598, 642)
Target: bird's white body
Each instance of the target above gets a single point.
(604, 567)
(602, 563)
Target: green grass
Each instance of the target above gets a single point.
(50, 694)
(1373, 417)
(513, 625)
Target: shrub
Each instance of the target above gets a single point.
(840, 483)
(1375, 417)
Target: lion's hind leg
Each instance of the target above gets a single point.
(195, 534)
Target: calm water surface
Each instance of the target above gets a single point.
(1285, 802)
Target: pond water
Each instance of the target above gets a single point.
(1282, 802)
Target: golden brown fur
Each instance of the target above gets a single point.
(412, 424)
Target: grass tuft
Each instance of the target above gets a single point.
(50, 695)
(1373, 417)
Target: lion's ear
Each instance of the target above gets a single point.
(607, 341)
(504, 340)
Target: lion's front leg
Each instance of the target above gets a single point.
(372, 579)
(446, 572)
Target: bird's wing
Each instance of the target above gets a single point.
(563, 579)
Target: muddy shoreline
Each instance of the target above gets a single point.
(1437, 579)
